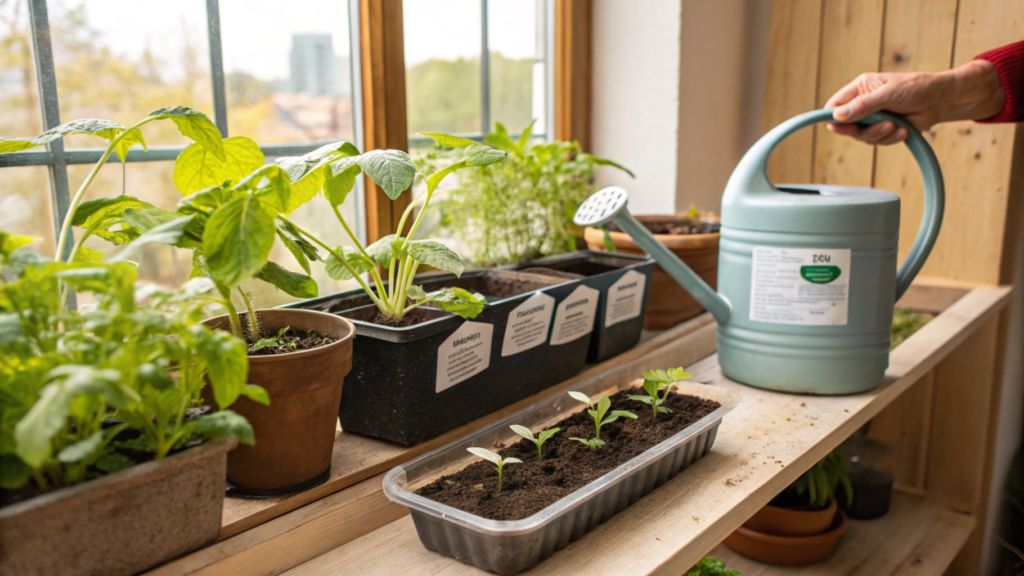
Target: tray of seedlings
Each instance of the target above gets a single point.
(511, 494)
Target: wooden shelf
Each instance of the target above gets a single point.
(916, 536)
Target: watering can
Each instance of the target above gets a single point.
(807, 275)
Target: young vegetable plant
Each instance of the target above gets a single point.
(538, 440)
(663, 381)
(598, 414)
(821, 481)
(278, 341)
(496, 458)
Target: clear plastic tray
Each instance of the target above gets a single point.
(509, 547)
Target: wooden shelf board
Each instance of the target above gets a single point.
(762, 446)
(916, 537)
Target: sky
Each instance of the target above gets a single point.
(257, 33)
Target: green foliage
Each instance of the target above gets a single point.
(494, 458)
(598, 413)
(278, 341)
(709, 566)
(197, 168)
(905, 323)
(537, 440)
(820, 482)
(106, 129)
(663, 381)
(520, 209)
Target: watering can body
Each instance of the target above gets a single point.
(807, 274)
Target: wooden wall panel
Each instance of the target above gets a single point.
(851, 35)
(905, 425)
(791, 83)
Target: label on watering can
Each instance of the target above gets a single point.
(800, 286)
(528, 324)
(464, 354)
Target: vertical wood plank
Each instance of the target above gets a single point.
(851, 35)
(905, 425)
(572, 71)
(791, 83)
(382, 47)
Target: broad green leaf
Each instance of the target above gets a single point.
(433, 253)
(227, 366)
(82, 449)
(116, 279)
(197, 168)
(548, 433)
(580, 396)
(147, 217)
(416, 293)
(480, 155)
(353, 257)
(449, 141)
(208, 199)
(86, 254)
(256, 394)
(271, 186)
(237, 241)
(485, 454)
(435, 179)
(195, 125)
(9, 243)
(603, 405)
(94, 212)
(299, 167)
(133, 137)
(500, 137)
(106, 129)
(338, 185)
(382, 251)
(522, 431)
(300, 248)
(168, 233)
(13, 472)
(223, 424)
(392, 170)
(298, 285)
(460, 302)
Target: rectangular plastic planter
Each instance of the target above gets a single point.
(620, 319)
(411, 384)
(510, 547)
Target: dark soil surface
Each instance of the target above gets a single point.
(677, 227)
(293, 341)
(552, 272)
(567, 465)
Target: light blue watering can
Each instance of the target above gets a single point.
(807, 275)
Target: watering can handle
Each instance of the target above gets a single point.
(755, 180)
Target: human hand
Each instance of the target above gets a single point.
(968, 92)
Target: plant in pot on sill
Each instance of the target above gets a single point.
(709, 566)
(801, 525)
(693, 237)
(101, 412)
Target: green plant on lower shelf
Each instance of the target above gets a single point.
(72, 383)
(278, 341)
(537, 440)
(905, 323)
(598, 413)
(820, 483)
(663, 381)
(494, 458)
(709, 566)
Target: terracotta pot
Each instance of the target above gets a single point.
(295, 433)
(786, 522)
(668, 303)
(122, 523)
(787, 550)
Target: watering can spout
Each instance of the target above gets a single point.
(609, 205)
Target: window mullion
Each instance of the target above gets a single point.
(485, 72)
(220, 106)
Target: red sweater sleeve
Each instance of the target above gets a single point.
(1009, 62)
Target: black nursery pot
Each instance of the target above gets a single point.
(411, 384)
(872, 493)
(623, 281)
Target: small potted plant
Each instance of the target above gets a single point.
(709, 566)
(801, 525)
(693, 237)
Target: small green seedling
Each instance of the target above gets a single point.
(657, 380)
(274, 342)
(598, 414)
(495, 458)
(538, 440)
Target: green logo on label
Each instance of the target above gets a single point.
(820, 274)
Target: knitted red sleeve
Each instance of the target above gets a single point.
(1009, 61)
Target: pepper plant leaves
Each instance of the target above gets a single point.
(237, 241)
(460, 302)
(300, 248)
(197, 168)
(340, 180)
(433, 253)
(293, 284)
(10, 242)
(106, 129)
(392, 170)
(147, 217)
(353, 257)
(308, 172)
(195, 125)
(382, 250)
(170, 232)
(86, 254)
(99, 215)
(448, 140)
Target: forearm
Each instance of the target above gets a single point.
(969, 92)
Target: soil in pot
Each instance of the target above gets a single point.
(872, 493)
(415, 316)
(290, 340)
(672, 225)
(567, 465)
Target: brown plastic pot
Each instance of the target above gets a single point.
(787, 550)
(668, 304)
(122, 523)
(295, 433)
(787, 522)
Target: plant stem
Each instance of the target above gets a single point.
(254, 322)
(359, 245)
(236, 326)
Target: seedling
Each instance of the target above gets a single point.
(538, 440)
(278, 341)
(598, 414)
(656, 381)
(496, 458)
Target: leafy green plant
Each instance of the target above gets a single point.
(905, 323)
(72, 382)
(522, 208)
(598, 413)
(709, 566)
(663, 381)
(494, 458)
(278, 341)
(537, 440)
(821, 481)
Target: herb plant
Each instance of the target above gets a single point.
(709, 566)
(496, 458)
(538, 440)
(278, 341)
(663, 381)
(521, 209)
(821, 481)
(598, 414)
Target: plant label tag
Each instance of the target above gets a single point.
(800, 286)
(575, 315)
(466, 353)
(625, 298)
(528, 324)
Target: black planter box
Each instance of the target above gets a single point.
(604, 272)
(411, 384)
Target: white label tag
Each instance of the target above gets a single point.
(800, 286)
(575, 315)
(528, 324)
(465, 353)
(625, 298)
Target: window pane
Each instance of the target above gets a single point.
(515, 37)
(19, 103)
(288, 71)
(120, 60)
(442, 65)
(25, 206)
